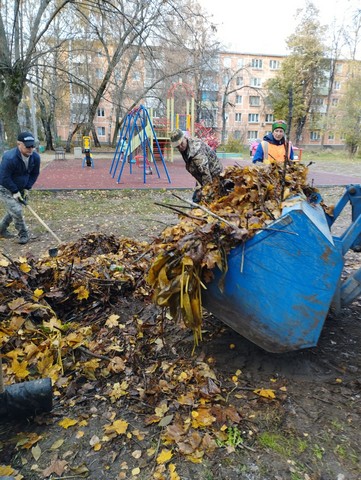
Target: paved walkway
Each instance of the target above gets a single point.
(70, 175)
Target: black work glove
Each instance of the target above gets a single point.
(197, 195)
(25, 195)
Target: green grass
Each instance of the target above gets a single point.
(284, 445)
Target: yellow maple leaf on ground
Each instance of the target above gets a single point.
(38, 293)
(112, 321)
(82, 293)
(164, 456)
(264, 392)
(67, 422)
(118, 426)
(202, 418)
(6, 470)
(24, 267)
(20, 369)
(118, 390)
(172, 472)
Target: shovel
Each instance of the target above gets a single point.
(26, 398)
(53, 252)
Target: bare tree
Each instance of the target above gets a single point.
(23, 24)
(149, 37)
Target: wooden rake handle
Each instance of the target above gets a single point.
(43, 223)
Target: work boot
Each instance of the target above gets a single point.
(6, 234)
(23, 238)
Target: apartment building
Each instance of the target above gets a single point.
(247, 116)
(233, 99)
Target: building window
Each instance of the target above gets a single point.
(136, 76)
(256, 82)
(337, 86)
(240, 63)
(339, 68)
(209, 96)
(101, 131)
(237, 134)
(254, 101)
(314, 136)
(253, 118)
(331, 136)
(334, 102)
(274, 64)
(269, 118)
(225, 79)
(252, 134)
(238, 117)
(239, 81)
(238, 99)
(99, 73)
(256, 63)
(101, 112)
(318, 101)
(227, 62)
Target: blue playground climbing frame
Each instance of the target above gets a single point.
(137, 133)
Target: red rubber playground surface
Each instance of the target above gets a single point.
(70, 174)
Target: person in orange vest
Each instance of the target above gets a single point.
(274, 147)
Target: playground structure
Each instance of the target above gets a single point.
(184, 120)
(143, 138)
(138, 144)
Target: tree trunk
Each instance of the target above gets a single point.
(70, 137)
(47, 122)
(299, 128)
(95, 137)
(10, 98)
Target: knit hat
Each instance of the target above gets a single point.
(176, 137)
(279, 124)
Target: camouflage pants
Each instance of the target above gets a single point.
(14, 212)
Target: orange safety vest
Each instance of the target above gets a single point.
(275, 153)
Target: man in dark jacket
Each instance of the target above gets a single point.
(19, 171)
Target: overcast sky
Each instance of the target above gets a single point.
(262, 26)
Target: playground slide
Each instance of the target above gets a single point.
(136, 142)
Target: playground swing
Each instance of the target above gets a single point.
(139, 160)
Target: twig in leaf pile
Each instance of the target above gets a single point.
(92, 354)
(156, 454)
(209, 212)
(178, 210)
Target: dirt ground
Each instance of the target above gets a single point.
(309, 431)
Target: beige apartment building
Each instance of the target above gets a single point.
(234, 104)
(247, 115)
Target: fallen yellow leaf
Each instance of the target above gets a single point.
(24, 267)
(266, 393)
(67, 422)
(164, 456)
(82, 292)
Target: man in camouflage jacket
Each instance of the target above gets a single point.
(201, 161)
